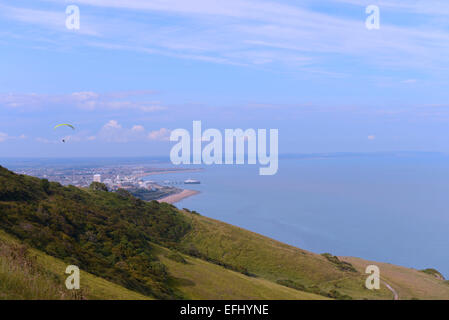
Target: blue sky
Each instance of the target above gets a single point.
(137, 69)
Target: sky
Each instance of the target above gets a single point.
(137, 69)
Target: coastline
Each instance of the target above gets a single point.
(185, 193)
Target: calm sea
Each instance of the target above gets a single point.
(389, 208)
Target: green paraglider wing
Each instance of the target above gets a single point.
(65, 124)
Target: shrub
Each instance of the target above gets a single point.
(342, 265)
(177, 258)
(98, 186)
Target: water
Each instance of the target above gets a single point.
(385, 208)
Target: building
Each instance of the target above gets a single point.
(97, 177)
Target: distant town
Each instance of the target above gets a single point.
(128, 177)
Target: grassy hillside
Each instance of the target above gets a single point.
(199, 279)
(30, 274)
(408, 283)
(307, 271)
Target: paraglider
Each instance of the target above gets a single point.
(64, 125)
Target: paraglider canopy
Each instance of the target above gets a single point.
(64, 124)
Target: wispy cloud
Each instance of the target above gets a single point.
(53, 20)
(5, 137)
(86, 100)
(428, 7)
(246, 32)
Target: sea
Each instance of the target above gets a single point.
(387, 207)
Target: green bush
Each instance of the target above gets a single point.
(342, 265)
(98, 186)
(177, 258)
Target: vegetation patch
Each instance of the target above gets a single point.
(433, 272)
(191, 250)
(334, 294)
(342, 265)
(174, 256)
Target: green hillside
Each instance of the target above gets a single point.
(30, 274)
(155, 250)
(408, 283)
(276, 261)
(199, 279)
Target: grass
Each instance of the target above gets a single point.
(294, 267)
(408, 283)
(30, 274)
(199, 279)
(20, 278)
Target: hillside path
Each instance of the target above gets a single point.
(396, 296)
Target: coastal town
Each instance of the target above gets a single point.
(133, 178)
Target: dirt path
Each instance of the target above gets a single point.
(396, 296)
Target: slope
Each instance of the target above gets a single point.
(278, 262)
(30, 274)
(408, 283)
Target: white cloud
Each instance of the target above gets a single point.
(45, 140)
(113, 131)
(112, 124)
(85, 95)
(138, 128)
(3, 137)
(162, 134)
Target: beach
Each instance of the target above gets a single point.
(179, 196)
